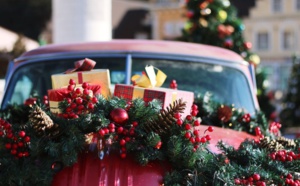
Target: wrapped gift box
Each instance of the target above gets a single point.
(57, 95)
(99, 76)
(165, 95)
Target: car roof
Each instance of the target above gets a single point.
(127, 45)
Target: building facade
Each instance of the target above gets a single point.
(273, 27)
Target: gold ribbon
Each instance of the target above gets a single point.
(149, 79)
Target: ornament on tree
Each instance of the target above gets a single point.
(189, 14)
(228, 43)
(222, 16)
(224, 113)
(205, 11)
(119, 115)
(203, 5)
(247, 45)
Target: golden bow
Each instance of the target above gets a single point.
(149, 78)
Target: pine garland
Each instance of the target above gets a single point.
(43, 155)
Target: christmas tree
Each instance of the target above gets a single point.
(290, 115)
(215, 22)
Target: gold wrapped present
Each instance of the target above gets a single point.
(83, 73)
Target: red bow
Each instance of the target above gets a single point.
(82, 65)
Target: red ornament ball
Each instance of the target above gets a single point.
(119, 115)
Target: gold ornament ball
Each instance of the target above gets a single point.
(222, 15)
(254, 59)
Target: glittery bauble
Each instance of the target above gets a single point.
(224, 113)
(119, 115)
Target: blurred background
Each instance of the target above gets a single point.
(270, 29)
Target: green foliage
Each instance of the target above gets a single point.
(191, 163)
(210, 116)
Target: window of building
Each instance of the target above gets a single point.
(173, 29)
(288, 40)
(277, 5)
(298, 5)
(262, 41)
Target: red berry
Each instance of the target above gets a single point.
(289, 158)
(1, 133)
(78, 91)
(210, 129)
(123, 155)
(9, 135)
(20, 154)
(94, 99)
(122, 142)
(177, 115)
(189, 117)
(256, 177)
(120, 130)
(179, 122)
(8, 145)
(90, 106)
(80, 107)
(73, 105)
(112, 130)
(101, 132)
(22, 134)
(71, 88)
(26, 139)
(196, 132)
(289, 176)
(197, 139)
(194, 112)
(196, 123)
(237, 181)
(111, 125)
(194, 107)
(106, 130)
(86, 91)
(188, 126)
(13, 151)
(85, 85)
(26, 154)
(188, 135)
(208, 137)
(20, 144)
(79, 101)
(203, 140)
(135, 123)
(72, 82)
(192, 140)
(127, 138)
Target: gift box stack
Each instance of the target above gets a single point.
(98, 81)
(147, 87)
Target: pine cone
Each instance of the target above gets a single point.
(41, 122)
(270, 145)
(289, 143)
(166, 118)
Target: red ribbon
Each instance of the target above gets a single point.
(82, 65)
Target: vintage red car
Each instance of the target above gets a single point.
(197, 68)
